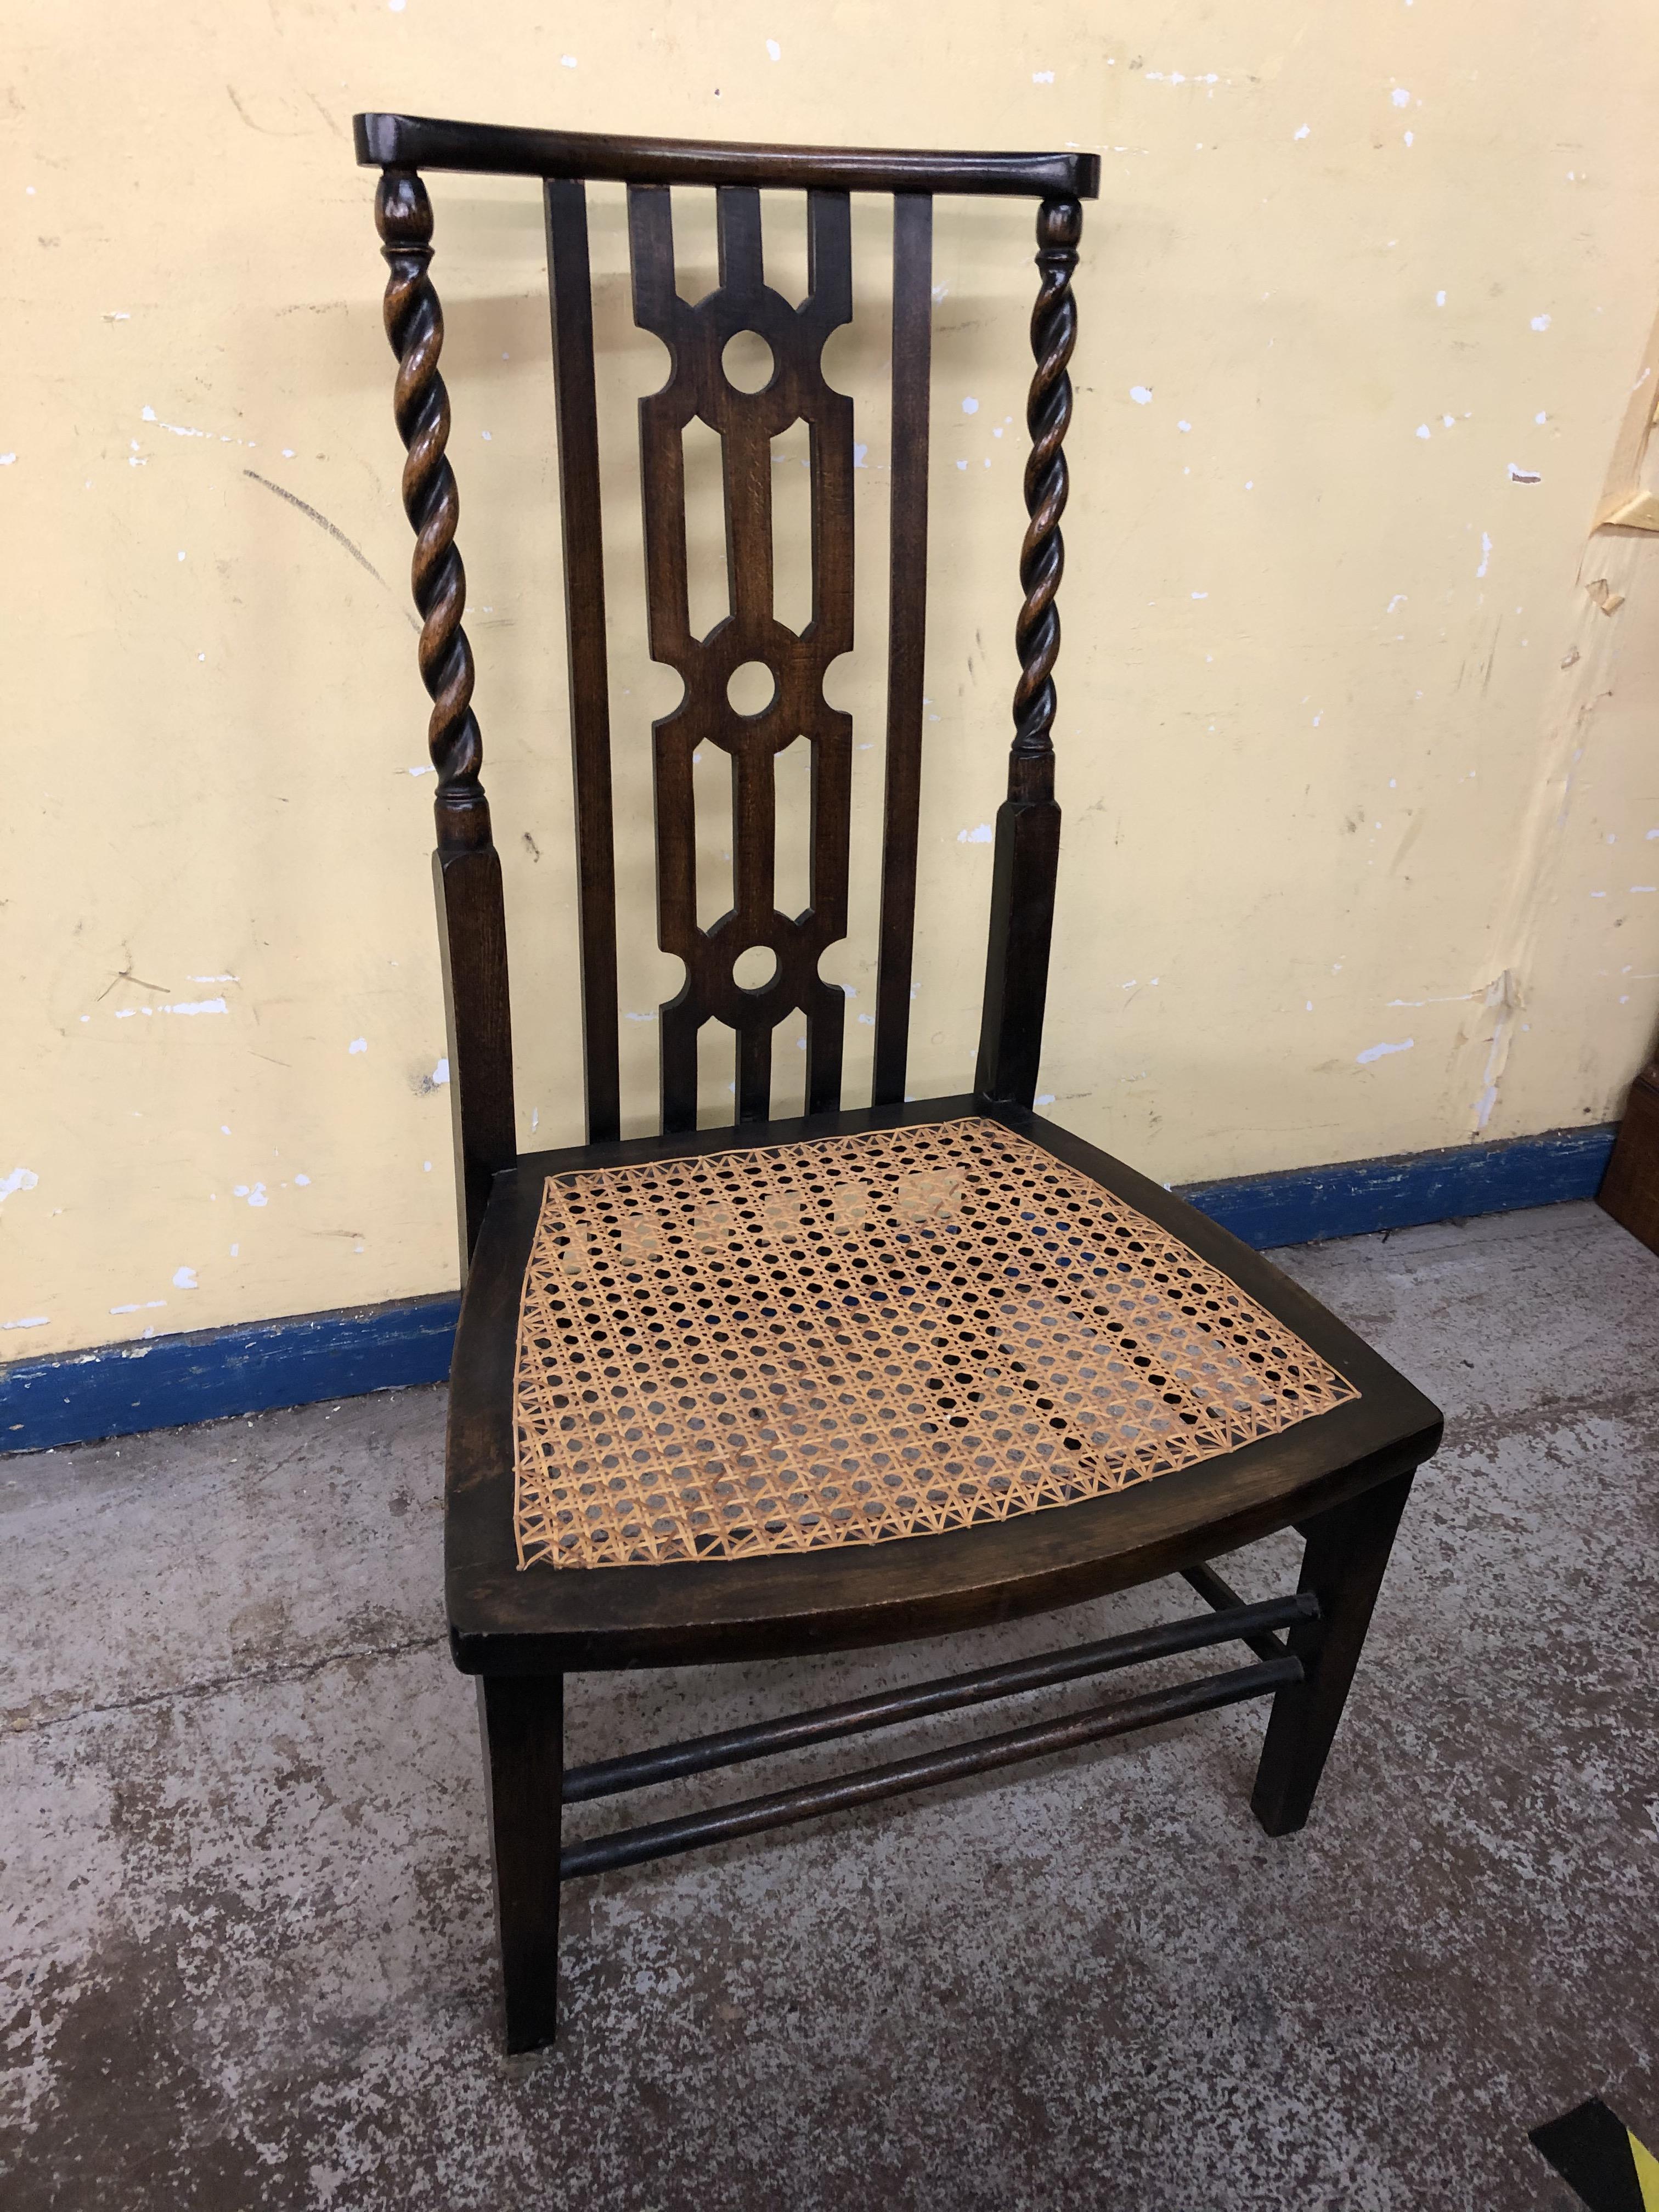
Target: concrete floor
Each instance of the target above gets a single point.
(247, 1950)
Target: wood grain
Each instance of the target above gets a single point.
(426, 142)
(521, 1719)
(907, 634)
(747, 423)
(1630, 1192)
(570, 290)
(467, 872)
(1027, 823)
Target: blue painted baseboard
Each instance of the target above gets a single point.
(165, 1381)
(125, 1388)
(1307, 1206)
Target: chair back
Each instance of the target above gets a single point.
(472, 924)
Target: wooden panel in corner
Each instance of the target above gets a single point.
(1630, 1189)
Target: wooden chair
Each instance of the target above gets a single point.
(882, 1372)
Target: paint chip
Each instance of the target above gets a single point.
(1540, 322)
(1400, 97)
(1043, 77)
(1424, 431)
(1302, 133)
(984, 835)
(183, 1279)
(1381, 1051)
(774, 51)
(566, 61)
(358, 1044)
(1142, 394)
(441, 1073)
(970, 406)
(1523, 476)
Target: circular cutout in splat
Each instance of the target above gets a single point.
(747, 361)
(751, 687)
(754, 970)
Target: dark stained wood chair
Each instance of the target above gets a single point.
(1165, 1395)
(1629, 1189)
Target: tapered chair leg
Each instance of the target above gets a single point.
(1346, 1556)
(521, 1717)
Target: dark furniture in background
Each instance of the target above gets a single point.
(1629, 1189)
(1341, 1478)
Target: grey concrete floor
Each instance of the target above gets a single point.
(247, 1951)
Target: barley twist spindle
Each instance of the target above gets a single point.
(1048, 416)
(415, 325)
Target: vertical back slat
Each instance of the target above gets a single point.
(828, 306)
(907, 626)
(658, 309)
(570, 288)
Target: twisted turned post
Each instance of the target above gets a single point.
(1042, 557)
(1027, 823)
(415, 325)
(466, 870)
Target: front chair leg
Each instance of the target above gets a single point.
(521, 1718)
(1346, 1555)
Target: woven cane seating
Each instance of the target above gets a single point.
(923, 1329)
(884, 1370)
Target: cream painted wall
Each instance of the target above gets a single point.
(1362, 795)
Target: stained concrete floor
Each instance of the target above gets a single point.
(247, 1943)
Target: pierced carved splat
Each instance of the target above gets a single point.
(697, 386)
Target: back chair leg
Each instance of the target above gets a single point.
(521, 1718)
(1346, 1556)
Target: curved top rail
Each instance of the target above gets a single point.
(420, 142)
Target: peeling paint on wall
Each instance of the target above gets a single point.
(1354, 726)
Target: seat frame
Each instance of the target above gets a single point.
(1341, 1477)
